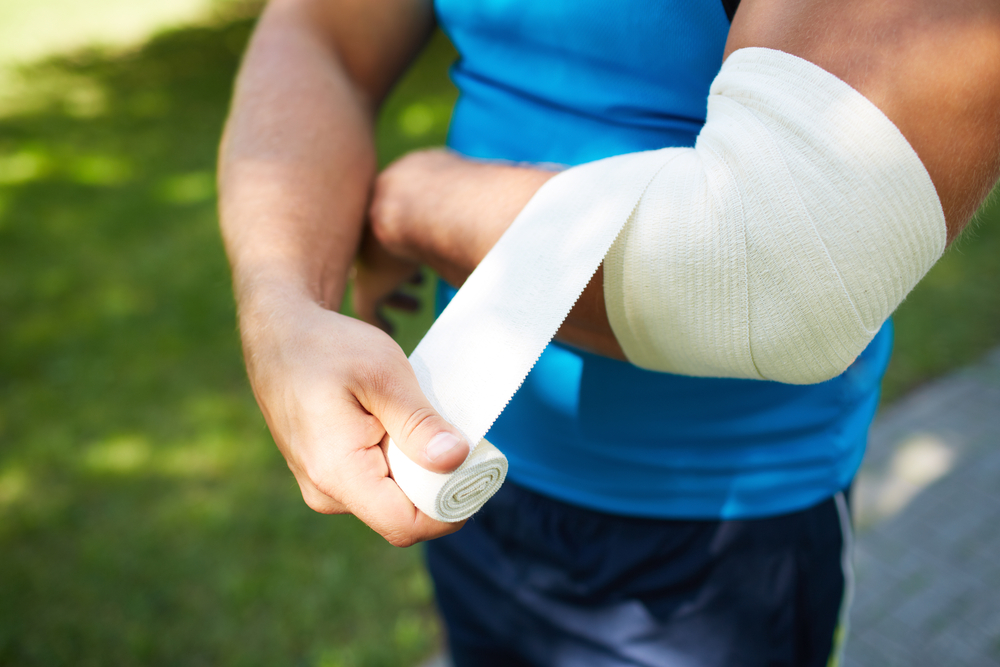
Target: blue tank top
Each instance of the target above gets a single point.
(571, 81)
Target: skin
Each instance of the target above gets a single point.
(296, 166)
(932, 68)
(297, 175)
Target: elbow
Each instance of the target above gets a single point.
(808, 331)
(798, 356)
(803, 331)
(807, 352)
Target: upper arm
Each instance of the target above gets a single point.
(297, 156)
(932, 67)
(373, 41)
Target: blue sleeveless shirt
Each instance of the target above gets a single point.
(571, 81)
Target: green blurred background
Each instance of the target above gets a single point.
(145, 516)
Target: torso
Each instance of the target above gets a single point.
(568, 81)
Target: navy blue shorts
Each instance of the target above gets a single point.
(534, 581)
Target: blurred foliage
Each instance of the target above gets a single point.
(146, 517)
(953, 316)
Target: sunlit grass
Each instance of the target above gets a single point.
(30, 30)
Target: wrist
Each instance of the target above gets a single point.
(270, 303)
(262, 280)
(447, 211)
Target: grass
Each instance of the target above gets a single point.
(953, 316)
(145, 516)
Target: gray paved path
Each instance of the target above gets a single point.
(927, 507)
(927, 510)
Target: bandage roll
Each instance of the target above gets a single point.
(456, 496)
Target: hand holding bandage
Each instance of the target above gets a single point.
(774, 249)
(332, 389)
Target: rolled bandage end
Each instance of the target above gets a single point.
(455, 496)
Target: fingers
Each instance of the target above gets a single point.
(319, 501)
(401, 301)
(376, 316)
(394, 397)
(374, 498)
(391, 514)
(384, 324)
(378, 279)
(330, 389)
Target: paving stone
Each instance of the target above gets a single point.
(928, 576)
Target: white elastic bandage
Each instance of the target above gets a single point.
(456, 496)
(778, 246)
(773, 249)
(481, 348)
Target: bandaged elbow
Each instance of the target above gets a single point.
(776, 247)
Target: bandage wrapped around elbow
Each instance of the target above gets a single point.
(774, 249)
(777, 246)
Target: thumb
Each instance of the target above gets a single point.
(416, 427)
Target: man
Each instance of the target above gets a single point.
(716, 535)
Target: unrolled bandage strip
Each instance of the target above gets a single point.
(478, 352)
(726, 250)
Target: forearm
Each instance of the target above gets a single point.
(448, 212)
(291, 199)
(297, 157)
(295, 171)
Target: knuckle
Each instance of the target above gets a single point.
(320, 479)
(320, 483)
(401, 540)
(317, 501)
(369, 428)
(380, 377)
(417, 418)
(317, 505)
(375, 378)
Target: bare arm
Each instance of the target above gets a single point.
(932, 68)
(438, 208)
(296, 166)
(297, 157)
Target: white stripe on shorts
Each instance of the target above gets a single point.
(847, 566)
